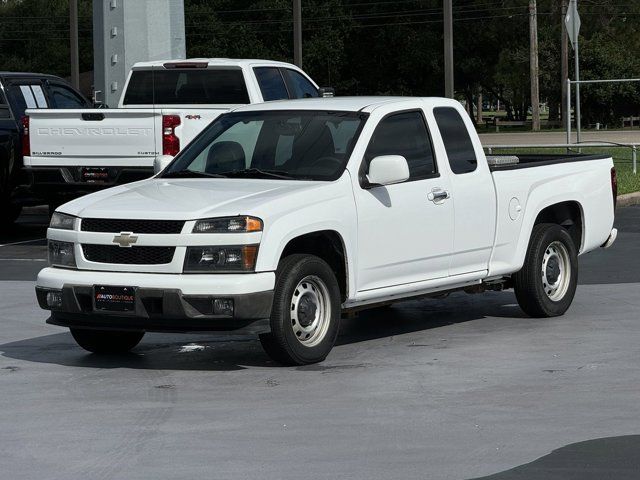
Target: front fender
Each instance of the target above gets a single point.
(332, 210)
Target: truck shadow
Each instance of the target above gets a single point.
(228, 353)
(611, 457)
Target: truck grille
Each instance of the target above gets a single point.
(129, 256)
(116, 225)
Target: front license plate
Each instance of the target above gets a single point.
(114, 299)
(95, 174)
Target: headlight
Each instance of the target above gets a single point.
(224, 258)
(62, 221)
(228, 225)
(61, 254)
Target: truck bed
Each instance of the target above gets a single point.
(537, 160)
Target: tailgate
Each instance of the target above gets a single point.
(193, 121)
(93, 137)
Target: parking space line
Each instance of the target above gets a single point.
(23, 259)
(23, 242)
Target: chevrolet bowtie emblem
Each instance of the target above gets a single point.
(125, 239)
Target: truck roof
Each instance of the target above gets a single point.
(213, 62)
(347, 104)
(29, 74)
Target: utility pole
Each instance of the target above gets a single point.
(533, 63)
(564, 65)
(448, 49)
(73, 43)
(297, 33)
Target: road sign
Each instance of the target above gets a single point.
(572, 23)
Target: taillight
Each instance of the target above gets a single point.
(170, 141)
(26, 142)
(614, 186)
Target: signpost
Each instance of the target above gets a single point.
(572, 24)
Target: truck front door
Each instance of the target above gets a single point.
(405, 230)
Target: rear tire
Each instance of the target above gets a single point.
(546, 284)
(305, 316)
(106, 341)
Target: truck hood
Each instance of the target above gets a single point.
(188, 199)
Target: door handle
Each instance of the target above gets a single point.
(438, 195)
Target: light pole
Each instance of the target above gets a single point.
(297, 33)
(448, 49)
(73, 43)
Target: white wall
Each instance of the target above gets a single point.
(130, 31)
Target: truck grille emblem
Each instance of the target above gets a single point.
(125, 239)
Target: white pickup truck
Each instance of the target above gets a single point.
(164, 105)
(281, 217)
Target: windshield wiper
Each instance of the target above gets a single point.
(192, 174)
(251, 172)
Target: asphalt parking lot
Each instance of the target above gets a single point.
(461, 388)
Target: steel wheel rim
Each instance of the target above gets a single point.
(310, 311)
(556, 271)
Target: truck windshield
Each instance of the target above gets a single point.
(222, 86)
(299, 144)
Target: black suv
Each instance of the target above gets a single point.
(18, 92)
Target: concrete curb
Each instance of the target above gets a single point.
(629, 199)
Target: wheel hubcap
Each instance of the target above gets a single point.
(310, 311)
(556, 271)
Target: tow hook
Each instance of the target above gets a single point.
(612, 238)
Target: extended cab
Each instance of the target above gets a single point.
(280, 217)
(20, 91)
(164, 105)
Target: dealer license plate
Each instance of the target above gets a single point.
(115, 299)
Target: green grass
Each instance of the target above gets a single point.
(627, 181)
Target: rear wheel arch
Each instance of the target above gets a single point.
(568, 214)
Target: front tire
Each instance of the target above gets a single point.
(546, 284)
(305, 316)
(106, 341)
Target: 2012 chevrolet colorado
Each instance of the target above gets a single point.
(280, 217)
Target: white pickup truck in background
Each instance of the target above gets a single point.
(282, 216)
(164, 105)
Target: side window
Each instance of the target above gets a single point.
(457, 142)
(404, 134)
(64, 97)
(298, 85)
(271, 83)
(4, 107)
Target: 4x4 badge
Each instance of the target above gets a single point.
(125, 239)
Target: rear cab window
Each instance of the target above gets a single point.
(404, 134)
(25, 94)
(209, 86)
(456, 139)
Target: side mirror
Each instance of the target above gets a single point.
(326, 92)
(161, 162)
(387, 170)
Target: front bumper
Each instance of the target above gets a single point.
(164, 302)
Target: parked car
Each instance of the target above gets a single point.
(164, 105)
(280, 217)
(19, 92)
